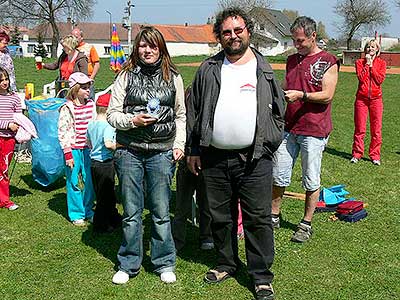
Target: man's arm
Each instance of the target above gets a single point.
(94, 58)
(325, 96)
(96, 68)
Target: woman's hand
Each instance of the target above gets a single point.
(70, 163)
(142, 120)
(13, 126)
(369, 59)
(177, 154)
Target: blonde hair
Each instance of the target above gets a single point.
(373, 41)
(69, 41)
(73, 92)
(101, 110)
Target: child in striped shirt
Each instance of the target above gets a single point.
(9, 104)
(72, 127)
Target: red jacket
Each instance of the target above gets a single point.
(370, 79)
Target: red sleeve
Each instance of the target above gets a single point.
(378, 71)
(362, 69)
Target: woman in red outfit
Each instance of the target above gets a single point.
(371, 71)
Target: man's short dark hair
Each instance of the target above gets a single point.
(307, 24)
(231, 12)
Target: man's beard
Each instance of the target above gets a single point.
(238, 51)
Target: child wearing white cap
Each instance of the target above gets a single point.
(72, 127)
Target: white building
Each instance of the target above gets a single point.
(180, 39)
(271, 31)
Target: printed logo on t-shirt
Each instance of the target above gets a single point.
(317, 71)
(247, 88)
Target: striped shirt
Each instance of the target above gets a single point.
(9, 104)
(83, 114)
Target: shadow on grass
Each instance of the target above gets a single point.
(335, 152)
(18, 192)
(106, 244)
(288, 225)
(29, 181)
(58, 204)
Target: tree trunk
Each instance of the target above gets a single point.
(55, 38)
(348, 41)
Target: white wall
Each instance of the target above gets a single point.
(386, 42)
(177, 49)
(283, 45)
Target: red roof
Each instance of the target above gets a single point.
(187, 34)
(101, 31)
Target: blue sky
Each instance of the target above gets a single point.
(197, 12)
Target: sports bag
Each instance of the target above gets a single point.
(349, 207)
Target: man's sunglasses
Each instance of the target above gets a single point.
(237, 31)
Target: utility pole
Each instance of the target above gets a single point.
(127, 24)
(110, 23)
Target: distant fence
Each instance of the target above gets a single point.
(392, 58)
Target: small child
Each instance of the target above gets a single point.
(72, 127)
(9, 104)
(101, 138)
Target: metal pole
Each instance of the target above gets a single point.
(110, 24)
(129, 27)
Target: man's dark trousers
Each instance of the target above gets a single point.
(230, 174)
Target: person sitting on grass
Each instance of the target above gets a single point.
(101, 138)
(9, 104)
(72, 127)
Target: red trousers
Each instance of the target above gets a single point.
(361, 109)
(6, 153)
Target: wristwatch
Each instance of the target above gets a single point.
(304, 99)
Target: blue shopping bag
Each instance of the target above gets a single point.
(47, 156)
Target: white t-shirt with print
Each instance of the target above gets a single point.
(236, 110)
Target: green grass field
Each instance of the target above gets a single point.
(43, 256)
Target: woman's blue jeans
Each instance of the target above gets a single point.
(156, 170)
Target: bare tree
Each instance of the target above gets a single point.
(357, 14)
(291, 14)
(50, 12)
(246, 5)
(321, 31)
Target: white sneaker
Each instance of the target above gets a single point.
(168, 277)
(79, 222)
(354, 160)
(376, 162)
(120, 277)
(13, 207)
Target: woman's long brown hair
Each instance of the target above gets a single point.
(155, 39)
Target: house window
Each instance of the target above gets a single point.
(107, 49)
(285, 45)
(49, 48)
(31, 48)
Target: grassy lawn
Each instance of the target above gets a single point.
(45, 257)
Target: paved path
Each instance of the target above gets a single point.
(391, 70)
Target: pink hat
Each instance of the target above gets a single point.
(78, 77)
